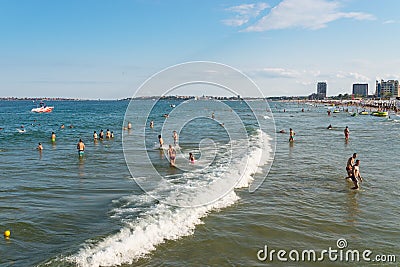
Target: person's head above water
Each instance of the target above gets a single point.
(355, 155)
(159, 136)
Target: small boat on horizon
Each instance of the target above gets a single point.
(42, 108)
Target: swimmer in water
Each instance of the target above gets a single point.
(94, 136)
(53, 137)
(213, 116)
(191, 157)
(81, 148)
(108, 134)
(172, 155)
(101, 134)
(112, 134)
(62, 126)
(329, 127)
(129, 125)
(151, 124)
(39, 147)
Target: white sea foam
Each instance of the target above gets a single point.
(161, 222)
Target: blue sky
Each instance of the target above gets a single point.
(106, 49)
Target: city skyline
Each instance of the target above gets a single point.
(99, 49)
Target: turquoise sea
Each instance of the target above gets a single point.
(108, 209)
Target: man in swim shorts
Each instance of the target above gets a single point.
(349, 165)
(356, 174)
(81, 148)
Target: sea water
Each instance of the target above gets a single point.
(63, 210)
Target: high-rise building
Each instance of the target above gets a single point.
(360, 89)
(389, 88)
(321, 89)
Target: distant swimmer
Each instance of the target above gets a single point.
(329, 112)
(53, 137)
(112, 134)
(160, 140)
(213, 116)
(282, 131)
(172, 155)
(349, 165)
(108, 134)
(356, 174)
(81, 148)
(151, 124)
(94, 135)
(329, 127)
(191, 157)
(175, 136)
(62, 126)
(39, 147)
(346, 133)
(291, 135)
(71, 126)
(166, 115)
(222, 124)
(129, 125)
(101, 134)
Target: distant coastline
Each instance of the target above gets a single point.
(233, 98)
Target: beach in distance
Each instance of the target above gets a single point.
(106, 208)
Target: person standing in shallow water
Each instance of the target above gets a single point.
(349, 165)
(53, 137)
(291, 135)
(356, 174)
(39, 147)
(346, 133)
(175, 136)
(172, 155)
(81, 148)
(160, 140)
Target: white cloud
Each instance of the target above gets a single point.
(285, 73)
(243, 13)
(390, 21)
(352, 75)
(307, 14)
